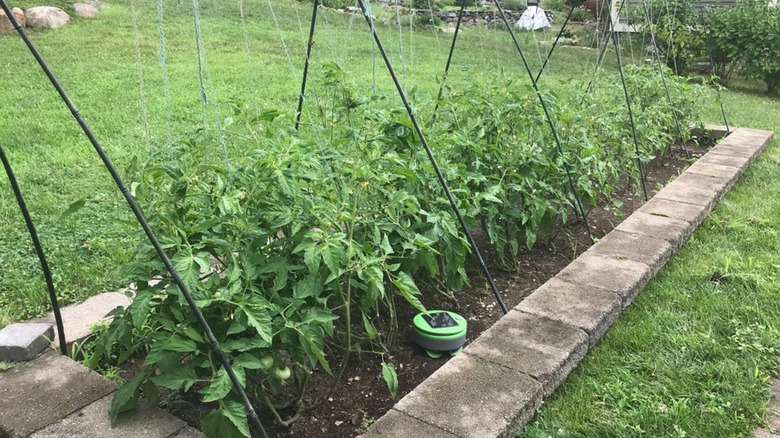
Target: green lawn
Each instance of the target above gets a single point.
(691, 357)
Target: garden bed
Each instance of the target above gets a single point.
(323, 242)
(362, 397)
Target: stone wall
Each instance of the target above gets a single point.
(472, 18)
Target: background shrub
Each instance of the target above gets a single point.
(516, 5)
(744, 39)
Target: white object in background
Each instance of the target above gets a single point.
(532, 19)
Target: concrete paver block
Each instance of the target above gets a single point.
(188, 432)
(744, 142)
(473, 398)
(724, 160)
(92, 421)
(674, 231)
(650, 250)
(623, 277)
(23, 341)
(706, 197)
(397, 424)
(43, 391)
(77, 318)
(692, 213)
(543, 348)
(730, 173)
(589, 308)
(710, 182)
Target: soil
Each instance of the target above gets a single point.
(362, 396)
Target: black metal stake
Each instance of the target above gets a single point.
(578, 201)
(616, 41)
(709, 54)
(449, 60)
(141, 220)
(432, 158)
(663, 78)
(302, 96)
(38, 251)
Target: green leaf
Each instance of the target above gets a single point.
(187, 267)
(74, 207)
(256, 309)
(313, 345)
(177, 377)
(126, 397)
(386, 248)
(243, 344)
(247, 361)
(391, 378)
(369, 327)
(219, 387)
(408, 289)
(180, 345)
(150, 392)
(139, 309)
(236, 413)
(218, 425)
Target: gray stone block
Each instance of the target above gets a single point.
(623, 277)
(589, 308)
(709, 182)
(674, 231)
(691, 213)
(730, 173)
(543, 348)
(724, 160)
(397, 424)
(77, 318)
(744, 142)
(43, 391)
(23, 341)
(643, 248)
(705, 197)
(92, 421)
(188, 432)
(473, 398)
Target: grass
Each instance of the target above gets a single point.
(692, 356)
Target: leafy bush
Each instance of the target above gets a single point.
(745, 39)
(468, 3)
(598, 8)
(678, 32)
(514, 5)
(335, 4)
(299, 252)
(553, 5)
(427, 20)
(580, 14)
(424, 4)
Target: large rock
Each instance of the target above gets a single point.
(97, 5)
(84, 10)
(5, 23)
(46, 17)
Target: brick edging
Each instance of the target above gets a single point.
(494, 388)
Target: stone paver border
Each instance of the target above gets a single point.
(494, 388)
